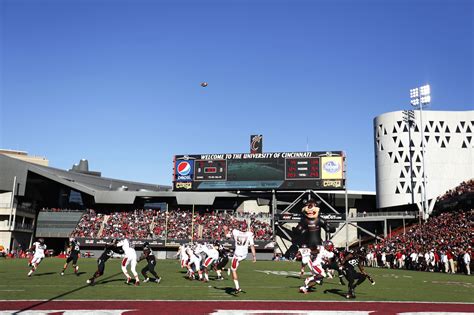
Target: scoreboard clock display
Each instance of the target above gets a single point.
(210, 170)
(259, 171)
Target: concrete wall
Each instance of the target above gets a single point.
(56, 224)
(251, 206)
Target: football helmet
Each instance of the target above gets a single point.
(329, 246)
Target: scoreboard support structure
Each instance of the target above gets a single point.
(292, 214)
(278, 173)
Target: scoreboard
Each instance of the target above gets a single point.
(305, 168)
(259, 171)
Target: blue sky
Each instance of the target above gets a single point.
(118, 82)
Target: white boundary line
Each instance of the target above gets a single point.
(225, 301)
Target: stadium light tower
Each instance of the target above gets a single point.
(420, 97)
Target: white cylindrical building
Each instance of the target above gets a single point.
(449, 147)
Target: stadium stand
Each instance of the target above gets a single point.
(153, 224)
(465, 188)
(442, 244)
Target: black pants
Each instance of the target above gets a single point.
(72, 258)
(222, 262)
(352, 276)
(100, 268)
(333, 265)
(150, 267)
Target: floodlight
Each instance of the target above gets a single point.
(425, 99)
(425, 90)
(414, 93)
(415, 102)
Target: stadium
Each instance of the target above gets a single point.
(397, 237)
(128, 184)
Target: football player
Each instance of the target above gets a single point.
(151, 263)
(38, 247)
(212, 255)
(110, 249)
(183, 256)
(195, 259)
(72, 255)
(316, 266)
(332, 263)
(348, 264)
(129, 259)
(243, 240)
(221, 261)
(304, 253)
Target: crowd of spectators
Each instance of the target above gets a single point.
(174, 224)
(60, 210)
(443, 244)
(463, 188)
(134, 224)
(89, 224)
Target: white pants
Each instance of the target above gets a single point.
(130, 259)
(37, 259)
(196, 261)
(210, 260)
(236, 261)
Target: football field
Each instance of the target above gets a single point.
(263, 280)
(269, 288)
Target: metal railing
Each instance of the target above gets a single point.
(387, 214)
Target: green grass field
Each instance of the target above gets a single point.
(264, 280)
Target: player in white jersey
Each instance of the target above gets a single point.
(129, 259)
(39, 247)
(243, 240)
(212, 255)
(194, 262)
(183, 256)
(304, 253)
(316, 266)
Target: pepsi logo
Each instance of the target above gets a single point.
(331, 167)
(184, 168)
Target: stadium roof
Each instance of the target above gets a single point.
(111, 191)
(104, 190)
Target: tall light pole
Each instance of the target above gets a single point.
(420, 97)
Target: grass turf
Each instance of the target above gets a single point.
(264, 280)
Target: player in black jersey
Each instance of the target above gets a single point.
(110, 249)
(333, 263)
(73, 251)
(151, 263)
(221, 261)
(348, 264)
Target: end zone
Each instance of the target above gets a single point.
(232, 307)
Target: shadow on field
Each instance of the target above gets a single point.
(229, 290)
(74, 274)
(336, 292)
(44, 274)
(112, 280)
(295, 277)
(65, 293)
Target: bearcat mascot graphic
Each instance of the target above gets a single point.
(308, 230)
